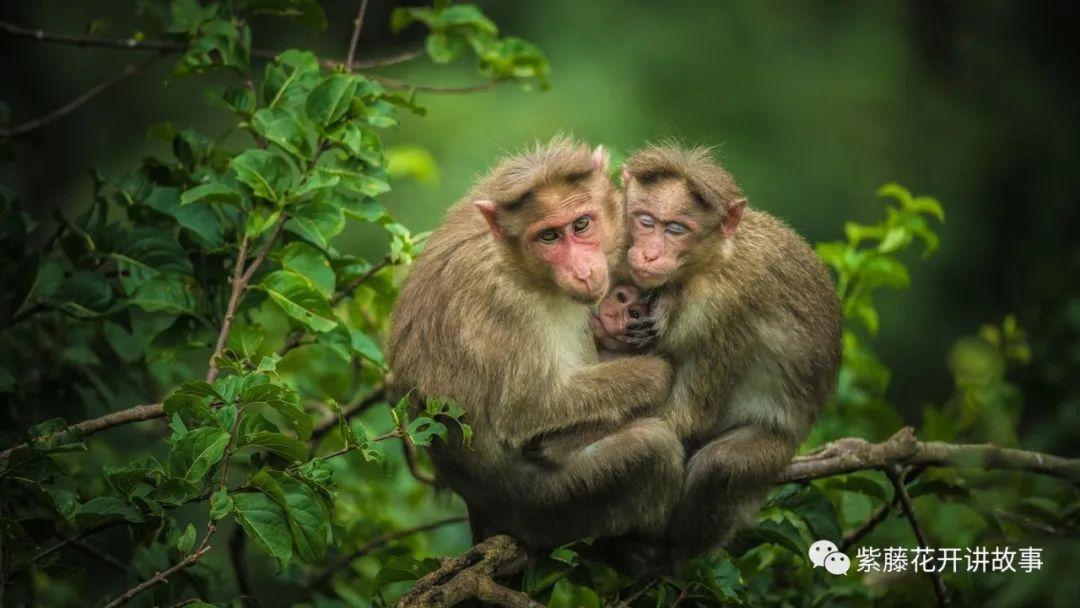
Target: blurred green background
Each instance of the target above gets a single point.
(811, 105)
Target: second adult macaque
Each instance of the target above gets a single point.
(495, 315)
(748, 316)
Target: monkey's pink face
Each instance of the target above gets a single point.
(570, 243)
(620, 307)
(660, 242)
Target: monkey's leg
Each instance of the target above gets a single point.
(623, 482)
(726, 481)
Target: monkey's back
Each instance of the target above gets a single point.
(761, 316)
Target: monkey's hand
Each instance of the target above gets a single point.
(643, 333)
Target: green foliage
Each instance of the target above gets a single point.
(223, 255)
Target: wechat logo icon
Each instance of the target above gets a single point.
(824, 553)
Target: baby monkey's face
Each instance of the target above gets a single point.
(620, 307)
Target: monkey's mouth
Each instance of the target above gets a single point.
(606, 324)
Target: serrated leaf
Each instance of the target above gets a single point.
(330, 99)
(300, 299)
(196, 452)
(265, 523)
(268, 175)
(291, 449)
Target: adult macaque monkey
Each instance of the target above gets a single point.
(750, 320)
(495, 315)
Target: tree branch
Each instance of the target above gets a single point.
(394, 83)
(138, 413)
(164, 575)
(357, 25)
(323, 427)
(883, 512)
(854, 454)
(74, 104)
(895, 476)
(471, 575)
(412, 461)
(382, 540)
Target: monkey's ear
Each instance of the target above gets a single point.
(600, 159)
(489, 210)
(734, 215)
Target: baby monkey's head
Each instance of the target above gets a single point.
(620, 307)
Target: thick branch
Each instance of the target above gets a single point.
(74, 104)
(853, 454)
(379, 541)
(471, 575)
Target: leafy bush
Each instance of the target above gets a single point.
(198, 312)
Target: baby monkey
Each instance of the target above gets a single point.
(623, 322)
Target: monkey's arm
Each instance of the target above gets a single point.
(594, 398)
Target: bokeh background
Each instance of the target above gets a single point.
(811, 105)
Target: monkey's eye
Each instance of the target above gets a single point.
(621, 297)
(635, 313)
(646, 221)
(581, 224)
(676, 229)
(548, 236)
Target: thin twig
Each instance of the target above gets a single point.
(357, 25)
(394, 83)
(344, 292)
(637, 595)
(328, 424)
(854, 536)
(897, 479)
(230, 309)
(171, 46)
(412, 461)
(381, 540)
(239, 563)
(164, 575)
(74, 104)
(99, 554)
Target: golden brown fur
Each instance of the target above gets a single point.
(753, 327)
(563, 446)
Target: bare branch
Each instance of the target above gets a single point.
(323, 427)
(854, 454)
(164, 575)
(344, 292)
(357, 25)
(99, 554)
(74, 104)
(378, 62)
(382, 540)
(394, 83)
(131, 44)
(471, 575)
(412, 460)
(854, 536)
(138, 413)
(896, 477)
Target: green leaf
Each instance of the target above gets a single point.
(305, 260)
(171, 293)
(197, 451)
(246, 338)
(212, 192)
(331, 98)
(186, 541)
(317, 222)
(289, 78)
(422, 429)
(309, 520)
(268, 175)
(198, 219)
(300, 299)
(366, 347)
(221, 504)
(291, 449)
(103, 510)
(307, 12)
(259, 220)
(265, 523)
(150, 247)
(239, 100)
(285, 129)
(84, 295)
